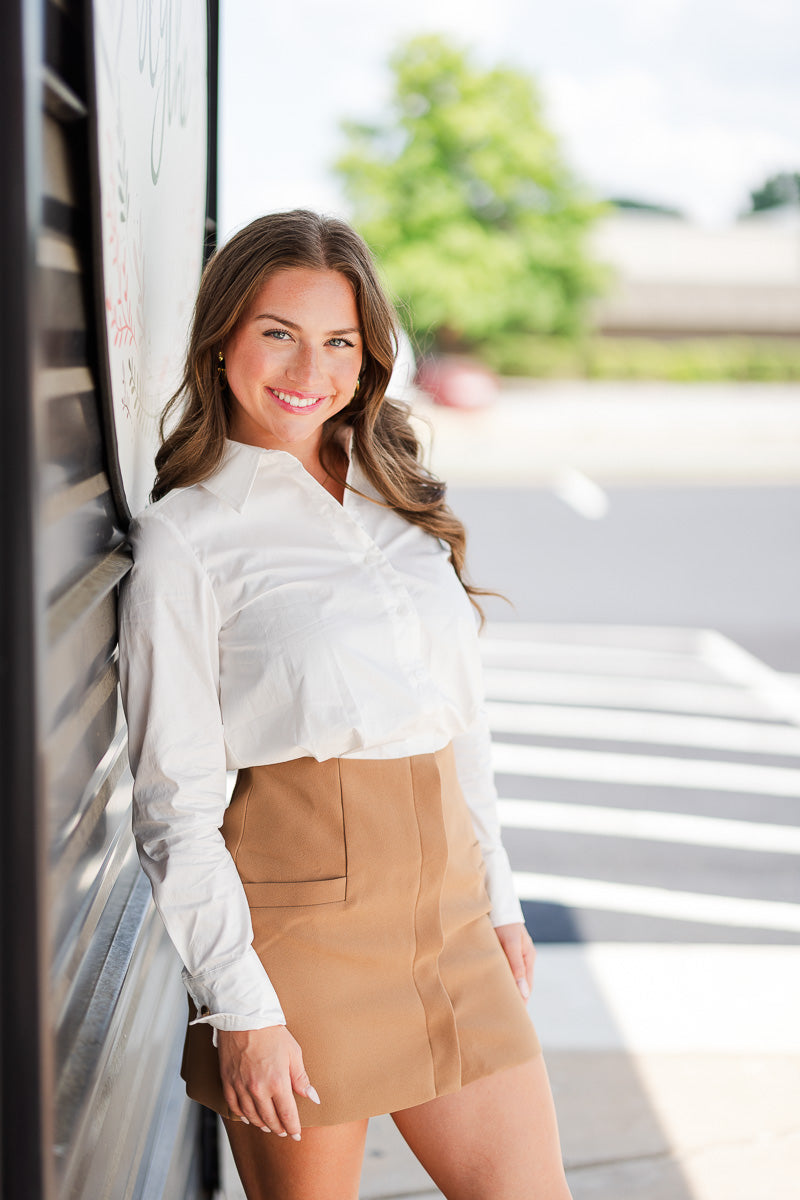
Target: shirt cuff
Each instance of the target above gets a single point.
(236, 995)
(215, 1021)
(506, 908)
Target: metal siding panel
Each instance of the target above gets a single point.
(24, 1058)
(86, 866)
(117, 1055)
(74, 750)
(56, 174)
(75, 544)
(123, 1126)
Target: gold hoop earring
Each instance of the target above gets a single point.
(222, 374)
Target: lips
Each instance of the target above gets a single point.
(294, 401)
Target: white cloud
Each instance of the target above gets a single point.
(650, 18)
(621, 131)
(692, 102)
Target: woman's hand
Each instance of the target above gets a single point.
(520, 952)
(260, 1069)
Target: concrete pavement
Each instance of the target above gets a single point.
(554, 433)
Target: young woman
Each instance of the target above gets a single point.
(351, 939)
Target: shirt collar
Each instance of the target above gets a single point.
(234, 478)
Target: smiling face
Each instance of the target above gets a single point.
(293, 360)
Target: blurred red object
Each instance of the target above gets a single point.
(457, 382)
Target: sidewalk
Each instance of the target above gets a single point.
(675, 1069)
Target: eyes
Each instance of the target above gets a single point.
(283, 335)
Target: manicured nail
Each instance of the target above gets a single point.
(265, 1129)
(312, 1095)
(295, 1137)
(523, 987)
(244, 1120)
(281, 1133)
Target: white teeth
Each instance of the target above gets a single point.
(295, 401)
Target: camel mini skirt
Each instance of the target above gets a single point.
(366, 890)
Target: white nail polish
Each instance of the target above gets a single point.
(523, 987)
(295, 1137)
(312, 1095)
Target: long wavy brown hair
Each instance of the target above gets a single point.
(387, 448)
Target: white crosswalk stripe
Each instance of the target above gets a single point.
(658, 902)
(757, 737)
(646, 769)
(683, 713)
(619, 691)
(677, 828)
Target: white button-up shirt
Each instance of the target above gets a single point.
(263, 621)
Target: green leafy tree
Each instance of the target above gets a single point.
(463, 194)
(775, 191)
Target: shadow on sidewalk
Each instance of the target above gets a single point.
(613, 1143)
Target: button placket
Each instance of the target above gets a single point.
(363, 550)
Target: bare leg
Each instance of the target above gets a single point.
(324, 1165)
(496, 1139)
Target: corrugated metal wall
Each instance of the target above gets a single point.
(111, 1119)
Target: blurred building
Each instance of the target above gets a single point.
(674, 278)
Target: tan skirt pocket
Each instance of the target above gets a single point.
(285, 830)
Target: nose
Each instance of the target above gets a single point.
(304, 369)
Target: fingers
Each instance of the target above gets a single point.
(260, 1071)
(519, 950)
(286, 1111)
(516, 959)
(302, 1084)
(529, 957)
(270, 1108)
(254, 1109)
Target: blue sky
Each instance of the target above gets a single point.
(688, 102)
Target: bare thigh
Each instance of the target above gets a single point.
(496, 1139)
(324, 1165)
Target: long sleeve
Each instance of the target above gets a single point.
(473, 755)
(169, 676)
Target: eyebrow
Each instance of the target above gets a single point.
(291, 324)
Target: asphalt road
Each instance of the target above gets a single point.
(649, 771)
(725, 558)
